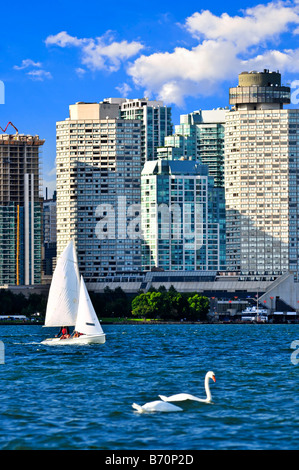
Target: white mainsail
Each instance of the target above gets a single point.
(63, 297)
(87, 321)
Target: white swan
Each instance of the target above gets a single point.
(187, 396)
(157, 405)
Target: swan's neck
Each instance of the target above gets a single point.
(207, 387)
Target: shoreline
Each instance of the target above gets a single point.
(158, 322)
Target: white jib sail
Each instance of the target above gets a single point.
(63, 297)
(87, 320)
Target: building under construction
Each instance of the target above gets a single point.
(20, 209)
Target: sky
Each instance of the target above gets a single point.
(186, 54)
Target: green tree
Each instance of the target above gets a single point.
(170, 305)
(199, 307)
(111, 303)
(148, 305)
(156, 304)
(140, 306)
(179, 306)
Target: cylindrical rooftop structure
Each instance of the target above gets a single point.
(256, 89)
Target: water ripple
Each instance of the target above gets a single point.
(81, 397)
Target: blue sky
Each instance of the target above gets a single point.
(185, 53)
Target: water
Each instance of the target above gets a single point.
(80, 397)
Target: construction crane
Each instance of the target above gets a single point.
(4, 130)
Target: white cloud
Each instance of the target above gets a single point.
(287, 60)
(80, 72)
(259, 23)
(51, 172)
(39, 75)
(49, 180)
(101, 53)
(27, 63)
(63, 39)
(124, 90)
(226, 46)
(185, 72)
(50, 184)
(98, 55)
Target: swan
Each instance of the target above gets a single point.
(157, 405)
(187, 396)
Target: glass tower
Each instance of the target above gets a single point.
(156, 123)
(183, 217)
(199, 137)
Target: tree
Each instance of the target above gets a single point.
(155, 302)
(199, 307)
(179, 306)
(111, 303)
(140, 306)
(170, 305)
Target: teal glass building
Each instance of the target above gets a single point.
(182, 217)
(199, 137)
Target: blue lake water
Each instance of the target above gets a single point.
(80, 397)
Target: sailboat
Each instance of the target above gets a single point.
(69, 303)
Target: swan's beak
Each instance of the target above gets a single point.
(214, 378)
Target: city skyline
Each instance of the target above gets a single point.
(182, 55)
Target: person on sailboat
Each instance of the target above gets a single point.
(64, 332)
(76, 334)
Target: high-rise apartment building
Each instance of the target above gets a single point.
(183, 217)
(156, 122)
(261, 178)
(49, 235)
(98, 189)
(199, 137)
(20, 209)
(49, 220)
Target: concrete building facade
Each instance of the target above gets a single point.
(261, 178)
(98, 190)
(156, 122)
(20, 209)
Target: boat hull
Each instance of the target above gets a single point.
(84, 339)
